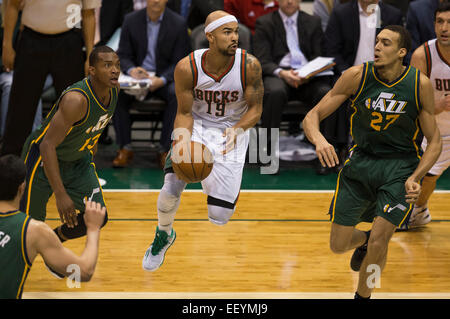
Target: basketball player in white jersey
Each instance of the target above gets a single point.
(433, 59)
(219, 92)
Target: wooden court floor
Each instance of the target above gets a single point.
(275, 246)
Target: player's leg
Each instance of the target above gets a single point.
(421, 214)
(38, 190)
(220, 211)
(345, 238)
(375, 259)
(82, 185)
(167, 205)
(351, 201)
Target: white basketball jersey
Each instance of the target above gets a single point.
(440, 78)
(218, 101)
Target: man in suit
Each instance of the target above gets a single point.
(153, 39)
(345, 38)
(283, 41)
(420, 21)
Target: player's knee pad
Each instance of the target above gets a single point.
(167, 203)
(219, 211)
(173, 185)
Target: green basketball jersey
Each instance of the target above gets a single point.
(14, 263)
(385, 119)
(84, 134)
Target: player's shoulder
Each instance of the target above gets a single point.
(184, 66)
(355, 72)
(419, 52)
(252, 64)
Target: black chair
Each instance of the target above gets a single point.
(150, 111)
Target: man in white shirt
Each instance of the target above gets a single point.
(280, 56)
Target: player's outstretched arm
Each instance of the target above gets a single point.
(253, 94)
(41, 239)
(184, 90)
(345, 87)
(72, 108)
(431, 132)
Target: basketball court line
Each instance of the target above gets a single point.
(300, 191)
(229, 295)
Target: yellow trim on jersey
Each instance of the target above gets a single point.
(95, 98)
(335, 196)
(414, 138)
(89, 106)
(415, 90)
(99, 184)
(358, 93)
(25, 259)
(366, 66)
(10, 214)
(393, 84)
(25, 273)
(30, 186)
(407, 212)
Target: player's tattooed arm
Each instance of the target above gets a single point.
(253, 94)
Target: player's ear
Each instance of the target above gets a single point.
(403, 52)
(91, 70)
(21, 189)
(210, 37)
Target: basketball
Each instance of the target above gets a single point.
(192, 162)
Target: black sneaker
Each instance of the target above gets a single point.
(359, 254)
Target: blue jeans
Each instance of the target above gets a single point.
(5, 87)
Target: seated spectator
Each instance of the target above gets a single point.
(280, 56)
(200, 9)
(247, 11)
(420, 21)
(152, 40)
(323, 9)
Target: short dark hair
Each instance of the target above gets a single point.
(12, 175)
(404, 40)
(443, 6)
(94, 56)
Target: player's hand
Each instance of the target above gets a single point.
(157, 83)
(291, 78)
(8, 57)
(231, 134)
(94, 215)
(412, 190)
(66, 210)
(326, 154)
(139, 73)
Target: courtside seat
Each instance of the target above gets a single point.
(151, 111)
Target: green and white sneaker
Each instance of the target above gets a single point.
(154, 256)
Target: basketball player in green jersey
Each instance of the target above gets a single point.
(59, 154)
(22, 238)
(393, 106)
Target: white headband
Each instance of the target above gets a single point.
(217, 23)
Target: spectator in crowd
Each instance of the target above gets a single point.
(152, 41)
(109, 19)
(200, 9)
(285, 40)
(182, 7)
(247, 11)
(323, 9)
(420, 21)
(53, 45)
